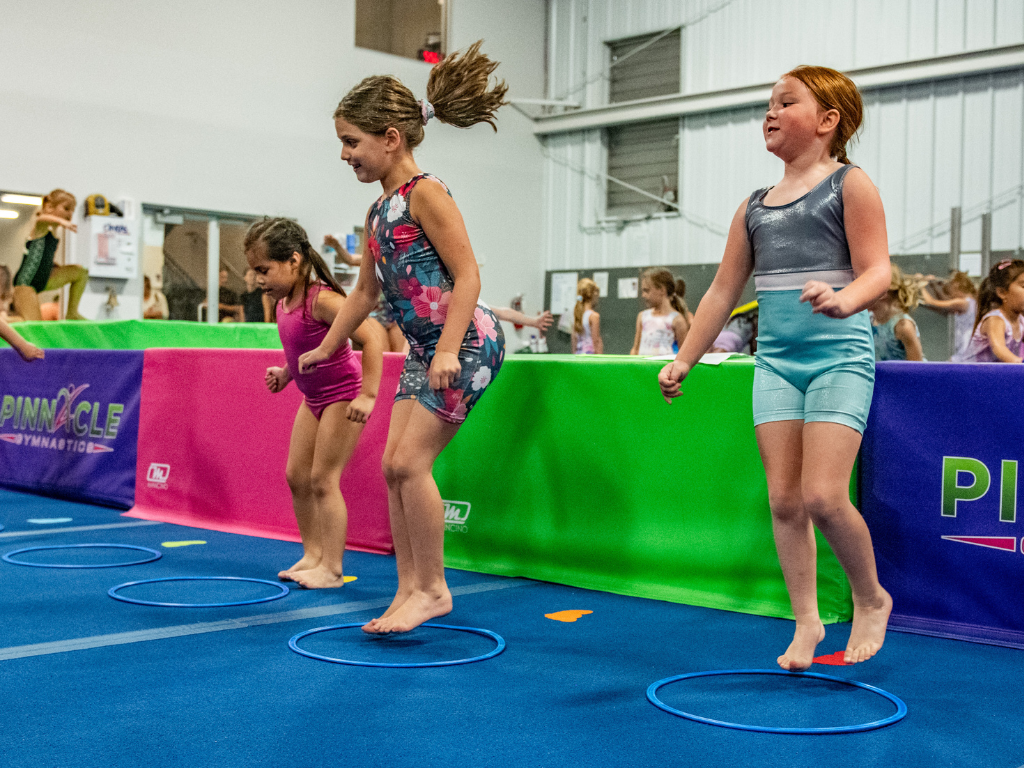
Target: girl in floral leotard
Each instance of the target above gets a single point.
(418, 253)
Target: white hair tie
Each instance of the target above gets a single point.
(427, 110)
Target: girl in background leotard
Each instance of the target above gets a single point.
(337, 397)
(418, 252)
(817, 245)
(662, 327)
(585, 338)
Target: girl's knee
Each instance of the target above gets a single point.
(823, 505)
(298, 480)
(786, 506)
(398, 469)
(322, 484)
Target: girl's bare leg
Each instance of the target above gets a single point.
(781, 446)
(396, 339)
(829, 453)
(335, 443)
(75, 276)
(26, 302)
(301, 450)
(409, 470)
(399, 533)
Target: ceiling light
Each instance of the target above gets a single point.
(21, 199)
(8, 214)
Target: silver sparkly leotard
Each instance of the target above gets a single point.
(808, 366)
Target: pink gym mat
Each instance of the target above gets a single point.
(213, 444)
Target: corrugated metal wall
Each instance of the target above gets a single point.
(927, 146)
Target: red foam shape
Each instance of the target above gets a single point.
(833, 659)
(1005, 543)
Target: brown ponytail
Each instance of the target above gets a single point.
(458, 89)
(834, 90)
(586, 290)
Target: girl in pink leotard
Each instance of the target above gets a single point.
(337, 396)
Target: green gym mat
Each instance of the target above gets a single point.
(574, 470)
(144, 334)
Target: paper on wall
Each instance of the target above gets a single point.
(601, 278)
(629, 287)
(563, 292)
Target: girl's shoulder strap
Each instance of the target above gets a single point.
(757, 197)
(406, 188)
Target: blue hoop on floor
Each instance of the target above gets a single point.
(294, 645)
(113, 592)
(901, 708)
(9, 557)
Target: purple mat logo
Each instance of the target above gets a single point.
(157, 474)
(456, 513)
(38, 419)
(977, 480)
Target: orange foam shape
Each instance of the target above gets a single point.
(566, 616)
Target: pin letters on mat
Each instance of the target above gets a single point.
(69, 423)
(941, 493)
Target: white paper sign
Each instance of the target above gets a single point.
(601, 278)
(563, 292)
(629, 287)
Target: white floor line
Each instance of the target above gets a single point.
(181, 630)
(38, 531)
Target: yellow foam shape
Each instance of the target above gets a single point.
(170, 544)
(566, 616)
(350, 578)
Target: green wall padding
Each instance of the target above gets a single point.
(144, 334)
(576, 471)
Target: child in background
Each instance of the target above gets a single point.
(896, 334)
(960, 299)
(37, 272)
(418, 252)
(998, 334)
(586, 325)
(7, 296)
(740, 332)
(337, 400)
(666, 320)
(815, 363)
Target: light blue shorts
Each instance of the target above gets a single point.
(811, 367)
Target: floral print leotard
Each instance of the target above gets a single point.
(418, 288)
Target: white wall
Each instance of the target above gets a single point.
(928, 146)
(227, 106)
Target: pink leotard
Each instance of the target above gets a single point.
(339, 377)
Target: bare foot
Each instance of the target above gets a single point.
(306, 563)
(420, 607)
(400, 597)
(320, 577)
(800, 654)
(868, 632)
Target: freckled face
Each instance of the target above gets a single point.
(275, 278)
(364, 152)
(792, 117)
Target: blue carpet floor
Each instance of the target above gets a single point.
(88, 681)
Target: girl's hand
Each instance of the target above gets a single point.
(360, 408)
(444, 370)
(670, 379)
(277, 378)
(71, 227)
(310, 360)
(30, 352)
(543, 321)
(332, 241)
(824, 300)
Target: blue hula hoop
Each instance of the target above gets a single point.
(294, 645)
(9, 557)
(901, 708)
(113, 592)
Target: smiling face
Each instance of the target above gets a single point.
(371, 156)
(795, 119)
(275, 278)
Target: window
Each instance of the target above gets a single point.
(410, 28)
(644, 67)
(644, 156)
